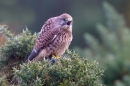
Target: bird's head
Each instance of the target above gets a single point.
(65, 21)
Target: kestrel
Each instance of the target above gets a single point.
(54, 38)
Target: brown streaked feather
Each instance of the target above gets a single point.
(54, 38)
(57, 47)
(47, 34)
(45, 38)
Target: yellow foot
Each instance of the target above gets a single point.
(53, 56)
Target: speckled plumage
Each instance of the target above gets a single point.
(55, 37)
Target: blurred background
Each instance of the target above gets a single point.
(100, 29)
(18, 14)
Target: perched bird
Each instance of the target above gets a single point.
(54, 38)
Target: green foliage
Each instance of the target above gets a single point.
(72, 71)
(113, 49)
(6, 33)
(16, 47)
(3, 81)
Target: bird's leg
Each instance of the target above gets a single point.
(52, 59)
(54, 56)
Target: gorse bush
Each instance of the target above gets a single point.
(15, 50)
(70, 70)
(114, 48)
(16, 47)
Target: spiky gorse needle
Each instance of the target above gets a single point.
(5, 32)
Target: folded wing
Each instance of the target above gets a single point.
(47, 35)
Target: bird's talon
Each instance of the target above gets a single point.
(57, 57)
(53, 56)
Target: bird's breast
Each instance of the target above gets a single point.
(63, 41)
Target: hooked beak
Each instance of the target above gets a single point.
(69, 22)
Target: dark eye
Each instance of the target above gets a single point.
(63, 19)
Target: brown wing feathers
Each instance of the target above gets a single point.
(55, 37)
(47, 34)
